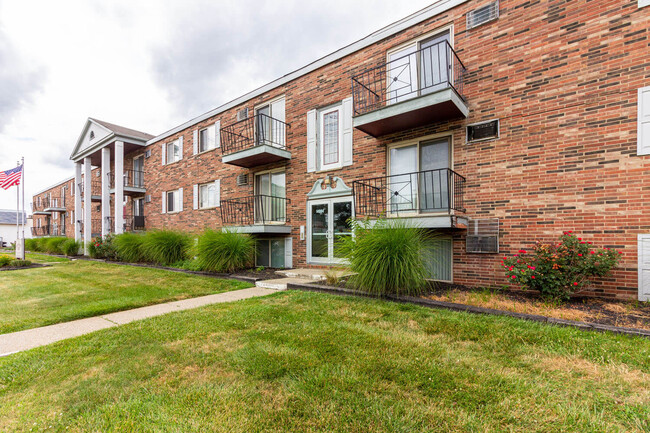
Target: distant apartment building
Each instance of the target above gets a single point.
(492, 123)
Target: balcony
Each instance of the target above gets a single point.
(56, 230)
(258, 140)
(132, 223)
(256, 214)
(95, 190)
(418, 89)
(133, 182)
(430, 199)
(55, 204)
(39, 205)
(40, 231)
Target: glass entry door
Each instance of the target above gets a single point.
(328, 225)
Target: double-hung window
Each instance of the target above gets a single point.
(173, 151)
(174, 201)
(330, 138)
(207, 139)
(207, 195)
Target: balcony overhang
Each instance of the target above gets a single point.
(446, 221)
(259, 229)
(41, 212)
(435, 107)
(130, 190)
(55, 209)
(258, 155)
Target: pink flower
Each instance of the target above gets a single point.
(592, 252)
(575, 284)
(532, 276)
(522, 251)
(579, 255)
(532, 267)
(514, 276)
(579, 239)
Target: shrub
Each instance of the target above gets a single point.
(5, 260)
(31, 245)
(165, 247)
(102, 248)
(559, 270)
(20, 263)
(128, 247)
(224, 251)
(70, 247)
(388, 257)
(53, 245)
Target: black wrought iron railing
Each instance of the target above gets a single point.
(255, 209)
(95, 187)
(40, 204)
(257, 130)
(55, 202)
(131, 223)
(41, 231)
(427, 191)
(56, 230)
(132, 179)
(424, 71)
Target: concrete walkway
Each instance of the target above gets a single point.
(31, 338)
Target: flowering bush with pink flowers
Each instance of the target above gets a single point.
(559, 270)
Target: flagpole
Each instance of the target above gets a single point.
(17, 213)
(23, 188)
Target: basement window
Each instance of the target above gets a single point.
(270, 253)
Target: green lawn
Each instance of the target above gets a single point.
(310, 362)
(74, 289)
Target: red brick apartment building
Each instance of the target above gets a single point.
(492, 123)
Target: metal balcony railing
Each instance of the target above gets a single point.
(255, 209)
(40, 204)
(95, 187)
(56, 230)
(424, 71)
(56, 202)
(131, 223)
(420, 192)
(132, 179)
(41, 231)
(257, 130)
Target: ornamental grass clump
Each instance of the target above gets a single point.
(31, 244)
(224, 251)
(387, 257)
(128, 247)
(165, 247)
(559, 270)
(53, 245)
(70, 247)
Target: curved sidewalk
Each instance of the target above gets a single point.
(31, 338)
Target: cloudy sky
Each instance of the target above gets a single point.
(150, 65)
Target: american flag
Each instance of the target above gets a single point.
(11, 177)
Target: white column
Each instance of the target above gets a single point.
(87, 205)
(119, 187)
(77, 202)
(106, 192)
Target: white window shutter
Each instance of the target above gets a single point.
(196, 196)
(311, 141)
(643, 138)
(217, 133)
(288, 252)
(164, 202)
(195, 142)
(180, 199)
(347, 131)
(164, 148)
(180, 146)
(217, 189)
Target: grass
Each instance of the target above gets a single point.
(310, 362)
(76, 289)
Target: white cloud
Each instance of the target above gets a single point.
(150, 65)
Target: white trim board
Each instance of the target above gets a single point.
(430, 11)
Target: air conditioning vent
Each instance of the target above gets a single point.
(483, 236)
(242, 179)
(242, 114)
(147, 153)
(147, 198)
(483, 131)
(482, 15)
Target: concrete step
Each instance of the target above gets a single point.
(312, 274)
(279, 283)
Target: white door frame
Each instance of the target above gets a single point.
(330, 260)
(643, 296)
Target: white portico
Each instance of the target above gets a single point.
(104, 145)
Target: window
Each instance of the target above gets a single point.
(483, 131)
(207, 139)
(173, 151)
(330, 138)
(270, 253)
(419, 176)
(207, 195)
(482, 235)
(269, 124)
(174, 201)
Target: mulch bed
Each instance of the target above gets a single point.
(17, 268)
(261, 274)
